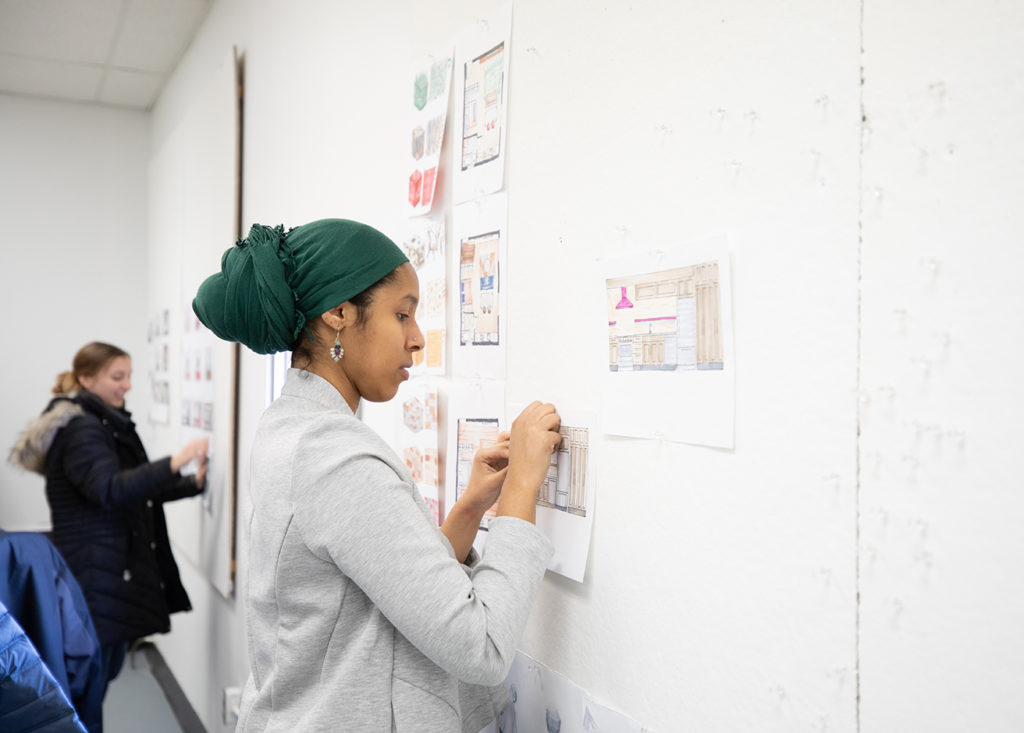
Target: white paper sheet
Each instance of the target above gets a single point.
(431, 81)
(157, 368)
(565, 503)
(417, 439)
(207, 410)
(423, 241)
(481, 83)
(475, 416)
(670, 366)
(481, 254)
(544, 700)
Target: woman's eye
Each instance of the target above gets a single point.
(402, 316)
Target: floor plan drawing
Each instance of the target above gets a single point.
(666, 321)
(482, 107)
(482, 79)
(479, 282)
(481, 296)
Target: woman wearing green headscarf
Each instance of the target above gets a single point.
(363, 614)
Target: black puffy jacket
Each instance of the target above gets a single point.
(106, 506)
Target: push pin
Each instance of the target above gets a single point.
(897, 608)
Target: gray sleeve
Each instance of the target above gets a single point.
(353, 510)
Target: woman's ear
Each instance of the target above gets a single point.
(337, 318)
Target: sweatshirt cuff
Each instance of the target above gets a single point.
(522, 538)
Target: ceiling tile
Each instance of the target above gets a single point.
(53, 79)
(155, 33)
(59, 29)
(136, 89)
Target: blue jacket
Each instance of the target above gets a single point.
(38, 589)
(30, 698)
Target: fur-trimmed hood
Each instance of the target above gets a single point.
(30, 449)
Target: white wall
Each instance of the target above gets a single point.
(855, 563)
(72, 262)
(942, 551)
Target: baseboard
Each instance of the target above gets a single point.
(180, 706)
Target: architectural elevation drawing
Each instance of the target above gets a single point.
(565, 500)
(669, 314)
(565, 487)
(666, 321)
(473, 415)
(474, 433)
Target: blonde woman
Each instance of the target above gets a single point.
(106, 499)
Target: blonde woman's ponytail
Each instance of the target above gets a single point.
(66, 383)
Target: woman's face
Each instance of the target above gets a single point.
(112, 381)
(378, 353)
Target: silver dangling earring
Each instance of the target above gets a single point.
(336, 351)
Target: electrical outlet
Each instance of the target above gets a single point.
(229, 708)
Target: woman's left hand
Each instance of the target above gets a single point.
(201, 472)
(489, 468)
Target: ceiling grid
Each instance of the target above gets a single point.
(115, 53)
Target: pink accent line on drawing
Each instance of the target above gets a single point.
(659, 318)
(612, 323)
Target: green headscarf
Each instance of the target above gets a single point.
(272, 282)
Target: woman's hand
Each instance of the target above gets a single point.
(534, 438)
(204, 464)
(194, 450)
(489, 467)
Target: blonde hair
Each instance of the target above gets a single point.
(88, 362)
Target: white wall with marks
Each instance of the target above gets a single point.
(855, 563)
(941, 549)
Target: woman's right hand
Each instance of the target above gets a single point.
(534, 438)
(194, 449)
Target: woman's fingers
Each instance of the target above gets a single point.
(493, 454)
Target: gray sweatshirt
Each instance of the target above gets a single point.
(359, 616)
